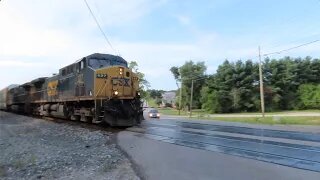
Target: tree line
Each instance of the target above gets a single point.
(289, 83)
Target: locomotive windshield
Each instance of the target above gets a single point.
(100, 63)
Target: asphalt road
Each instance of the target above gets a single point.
(182, 149)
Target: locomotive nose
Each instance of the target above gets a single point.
(113, 81)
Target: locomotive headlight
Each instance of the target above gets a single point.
(120, 71)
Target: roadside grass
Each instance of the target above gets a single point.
(286, 120)
(171, 111)
(275, 112)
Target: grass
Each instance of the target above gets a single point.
(301, 120)
(277, 112)
(288, 120)
(170, 111)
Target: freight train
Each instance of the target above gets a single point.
(99, 88)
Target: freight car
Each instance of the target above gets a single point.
(99, 88)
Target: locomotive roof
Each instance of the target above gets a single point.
(39, 80)
(12, 86)
(105, 56)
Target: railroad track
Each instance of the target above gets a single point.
(87, 125)
(288, 154)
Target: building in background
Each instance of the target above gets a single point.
(168, 99)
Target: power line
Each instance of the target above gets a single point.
(295, 47)
(284, 50)
(288, 22)
(305, 38)
(97, 22)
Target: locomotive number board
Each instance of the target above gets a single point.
(102, 76)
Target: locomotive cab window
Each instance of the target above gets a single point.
(99, 63)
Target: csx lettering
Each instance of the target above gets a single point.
(121, 82)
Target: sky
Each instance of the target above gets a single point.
(39, 37)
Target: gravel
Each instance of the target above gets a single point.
(40, 149)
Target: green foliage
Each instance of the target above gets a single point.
(143, 83)
(288, 84)
(158, 101)
(185, 74)
(155, 93)
(210, 101)
(152, 102)
(310, 96)
(175, 71)
(232, 88)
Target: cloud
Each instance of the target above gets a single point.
(17, 63)
(119, 13)
(184, 20)
(35, 35)
(59, 28)
(39, 37)
(20, 38)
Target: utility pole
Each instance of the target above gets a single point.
(191, 97)
(261, 84)
(180, 96)
(180, 91)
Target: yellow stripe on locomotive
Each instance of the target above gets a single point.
(52, 88)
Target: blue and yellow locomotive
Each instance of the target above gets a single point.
(99, 88)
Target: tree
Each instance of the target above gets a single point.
(143, 83)
(175, 71)
(232, 89)
(155, 93)
(210, 101)
(309, 95)
(186, 73)
(158, 101)
(289, 83)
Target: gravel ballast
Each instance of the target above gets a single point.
(34, 148)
